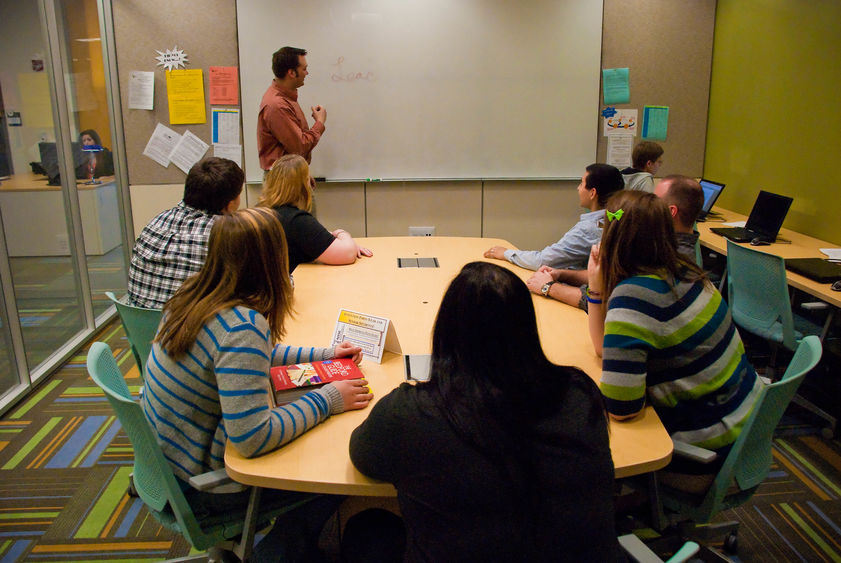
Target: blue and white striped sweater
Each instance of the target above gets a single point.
(219, 390)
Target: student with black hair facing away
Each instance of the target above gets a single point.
(666, 337)
(682, 195)
(646, 158)
(173, 246)
(572, 250)
(288, 189)
(207, 376)
(501, 455)
(102, 160)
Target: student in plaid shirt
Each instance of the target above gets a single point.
(173, 246)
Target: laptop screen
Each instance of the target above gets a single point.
(711, 193)
(768, 214)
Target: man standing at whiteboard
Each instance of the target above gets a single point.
(282, 127)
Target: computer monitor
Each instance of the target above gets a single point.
(711, 192)
(49, 161)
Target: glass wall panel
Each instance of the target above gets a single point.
(97, 189)
(46, 286)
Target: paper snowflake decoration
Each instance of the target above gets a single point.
(172, 58)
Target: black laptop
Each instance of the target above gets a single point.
(764, 222)
(711, 192)
(817, 269)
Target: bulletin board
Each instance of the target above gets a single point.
(667, 47)
(208, 36)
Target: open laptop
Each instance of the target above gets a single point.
(711, 192)
(764, 222)
(817, 269)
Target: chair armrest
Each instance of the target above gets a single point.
(688, 451)
(209, 480)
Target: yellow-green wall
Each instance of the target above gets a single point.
(775, 111)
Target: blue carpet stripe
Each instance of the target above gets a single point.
(77, 441)
(103, 443)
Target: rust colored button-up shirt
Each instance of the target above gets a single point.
(282, 127)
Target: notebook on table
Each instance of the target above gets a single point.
(817, 269)
(711, 192)
(764, 222)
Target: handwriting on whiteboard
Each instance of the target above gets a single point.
(341, 75)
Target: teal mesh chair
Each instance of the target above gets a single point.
(156, 484)
(749, 460)
(140, 325)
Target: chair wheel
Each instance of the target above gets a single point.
(731, 543)
(132, 490)
(827, 432)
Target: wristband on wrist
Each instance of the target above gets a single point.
(591, 294)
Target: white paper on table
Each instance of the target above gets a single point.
(736, 223)
(832, 253)
(619, 148)
(141, 90)
(161, 144)
(231, 152)
(189, 150)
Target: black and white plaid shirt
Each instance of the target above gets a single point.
(172, 247)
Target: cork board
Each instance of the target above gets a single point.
(667, 46)
(209, 38)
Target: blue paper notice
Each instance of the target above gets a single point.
(655, 123)
(615, 86)
(608, 112)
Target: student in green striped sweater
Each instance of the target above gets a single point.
(207, 376)
(666, 336)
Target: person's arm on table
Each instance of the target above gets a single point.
(596, 306)
(568, 294)
(343, 250)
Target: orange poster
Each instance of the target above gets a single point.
(224, 85)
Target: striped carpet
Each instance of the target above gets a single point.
(64, 464)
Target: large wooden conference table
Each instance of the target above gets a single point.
(319, 461)
(801, 246)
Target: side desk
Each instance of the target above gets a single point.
(319, 461)
(35, 219)
(802, 246)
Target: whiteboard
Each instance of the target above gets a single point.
(434, 89)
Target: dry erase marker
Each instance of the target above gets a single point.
(373, 179)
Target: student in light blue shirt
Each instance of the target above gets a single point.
(572, 251)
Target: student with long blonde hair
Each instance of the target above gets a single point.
(207, 376)
(288, 189)
(666, 336)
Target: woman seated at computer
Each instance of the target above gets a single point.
(501, 455)
(102, 160)
(288, 189)
(207, 376)
(665, 336)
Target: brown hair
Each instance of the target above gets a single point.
(641, 242)
(687, 195)
(286, 59)
(246, 264)
(287, 183)
(645, 151)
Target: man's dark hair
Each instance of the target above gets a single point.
(286, 59)
(212, 184)
(645, 151)
(605, 179)
(687, 195)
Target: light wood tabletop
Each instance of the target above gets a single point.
(800, 246)
(319, 461)
(31, 182)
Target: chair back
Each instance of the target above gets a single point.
(153, 477)
(749, 460)
(140, 325)
(757, 292)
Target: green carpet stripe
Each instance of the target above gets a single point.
(33, 443)
(815, 472)
(93, 441)
(34, 400)
(819, 541)
(118, 450)
(92, 390)
(24, 515)
(134, 559)
(10, 430)
(117, 328)
(105, 506)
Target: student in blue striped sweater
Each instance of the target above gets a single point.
(207, 377)
(666, 336)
